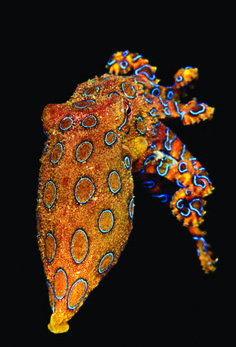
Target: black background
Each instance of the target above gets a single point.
(157, 290)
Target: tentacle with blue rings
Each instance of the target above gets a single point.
(168, 159)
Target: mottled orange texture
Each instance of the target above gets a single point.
(107, 132)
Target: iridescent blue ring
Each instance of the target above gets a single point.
(131, 213)
(84, 202)
(106, 231)
(51, 259)
(89, 126)
(127, 162)
(106, 255)
(61, 297)
(86, 286)
(68, 126)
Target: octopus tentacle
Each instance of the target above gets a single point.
(169, 159)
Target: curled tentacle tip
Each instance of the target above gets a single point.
(58, 324)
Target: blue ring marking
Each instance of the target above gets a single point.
(200, 111)
(68, 126)
(61, 297)
(194, 209)
(152, 78)
(98, 88)
(84, 202)
(150, 157)
(164, 197)
(121, 126)
(197, 238)
(79, 230)
(90, 102)
(155, 129)
(183, 151)
(204, 242)
(137, 57)
(167, 166)
(178, 111)
(125, 53)
(112, 93)
(170, 94)
(188, 67)
(55, 162)
(130, 204)
(141, 119)
(107, 143)
(53, 296)
(110, 61)
(81, 161)
(105, 231)
(156, 89)
(194, 166)
(180, 205)
(154, 112)
(86, 286)
(168, 143)
(128, 96)
(188, 192)
(148, 184)
(199, 177)
(204, 177)
(167, 140)
(89, 126)
(50, 260)
(179, 184)
(163, 103)
(179, 79)
(167, 111)
(205, 246)
(127, 162)
(106, 255)
(50, 181)
(114, 191)
(149, 100)
(123, 64)
(182, 170)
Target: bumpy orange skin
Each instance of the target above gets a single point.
(85, 202)
(106, 132)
